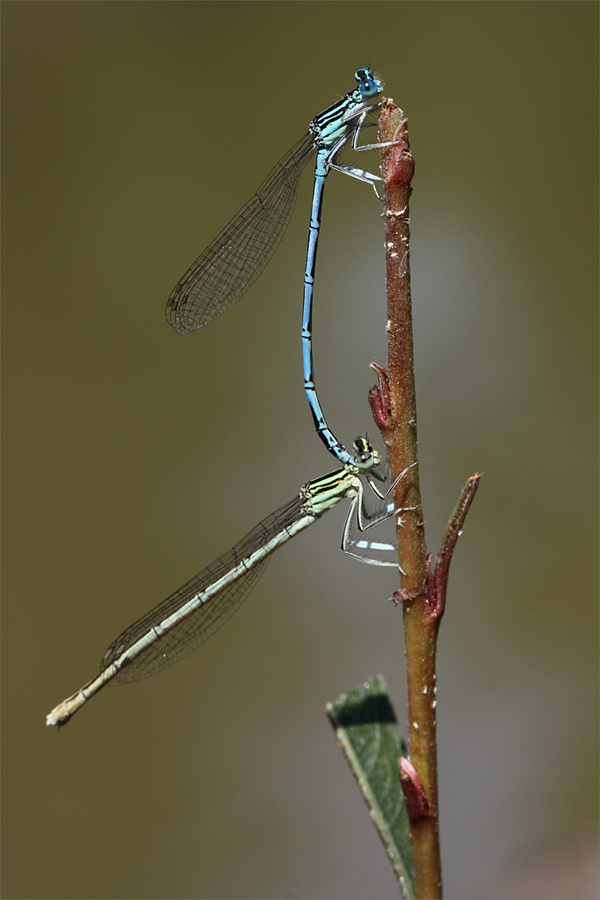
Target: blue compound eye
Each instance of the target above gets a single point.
(367, 85)
(368, 88)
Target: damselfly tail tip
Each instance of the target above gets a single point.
(61, 714)
(58, 716)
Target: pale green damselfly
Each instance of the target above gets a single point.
(189, 616)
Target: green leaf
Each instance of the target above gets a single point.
(367, 731)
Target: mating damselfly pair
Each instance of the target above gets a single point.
(217, 279)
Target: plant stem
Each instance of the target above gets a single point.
(394, 405)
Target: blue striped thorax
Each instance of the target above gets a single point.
(338, 120)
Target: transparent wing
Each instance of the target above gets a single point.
(237, 256)
(207, 618)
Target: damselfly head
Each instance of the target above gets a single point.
(367, 457)
(368, 85)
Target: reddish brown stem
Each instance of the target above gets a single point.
(438, 585)
(395, 394)
(423, 594)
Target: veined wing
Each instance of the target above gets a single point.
(208, 616)
(237, 256)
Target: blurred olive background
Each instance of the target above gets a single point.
(133, 456)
